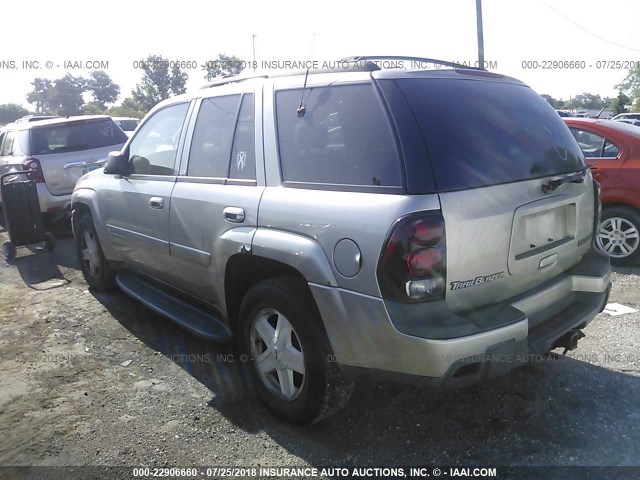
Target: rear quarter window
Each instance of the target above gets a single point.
(481, 133)
(344, 137)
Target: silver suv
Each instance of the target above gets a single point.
(58, 150)
(434, 226)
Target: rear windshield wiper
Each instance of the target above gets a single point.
(577, 177)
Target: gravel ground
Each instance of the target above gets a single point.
(97, 379)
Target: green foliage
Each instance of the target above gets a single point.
(557, 104)
(158, 82)
(93, 108)
(222, 66)
(619, 104)
(630, 86)
(66, 96)
(102, 88)
(40, 95)
(129, 108)
(10, 112)
(586, 101)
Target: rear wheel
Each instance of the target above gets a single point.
(619, 235)
(289, 354)
(95, 268)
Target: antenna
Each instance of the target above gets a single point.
(253, 46)
(480, 34)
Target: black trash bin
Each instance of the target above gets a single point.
(22, 213)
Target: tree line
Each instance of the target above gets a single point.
(66, 96)
(162, 79)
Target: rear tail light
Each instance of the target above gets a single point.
(33, 165)
(597, 209)
(412, 266)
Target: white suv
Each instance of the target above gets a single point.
(58, 151)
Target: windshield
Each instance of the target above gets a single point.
(481, 133)
(71, 137)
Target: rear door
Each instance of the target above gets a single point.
(214, 205)
(500, 156)
(66, 150)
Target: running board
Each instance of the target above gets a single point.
(195, 320)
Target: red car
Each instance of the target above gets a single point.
(612, 150)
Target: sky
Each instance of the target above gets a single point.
(115, 34)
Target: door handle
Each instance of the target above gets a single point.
(233, 214)
(156, 202)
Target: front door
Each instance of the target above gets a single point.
(136, 209)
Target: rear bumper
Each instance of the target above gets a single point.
(367, 343)
(52, 203)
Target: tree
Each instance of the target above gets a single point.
(158, 82)
(630, 86)
(129, 108)
(66, 95)
(619, 104)
(10, 112)
(552, 101)
(222, 66)
(93, 108)
(102, 88)
(587, 101)
(40, 95)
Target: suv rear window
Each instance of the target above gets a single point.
(71, 137)
(481, 133)
(343, 138)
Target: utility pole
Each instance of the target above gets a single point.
(253, 46)
(480, 33)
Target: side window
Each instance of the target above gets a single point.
(7, 146)
(610, 150)
(243, 156)
(153, 150)
(590, 143)
(2, 135)
(213, 137)
(343, 138)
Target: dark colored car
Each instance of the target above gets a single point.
(612, 150)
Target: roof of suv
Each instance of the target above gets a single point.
(359, 66)
(60, 120)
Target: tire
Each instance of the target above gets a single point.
(49, 241)
(619, 235)
(9, 250)
(298, 397)
(95, 268)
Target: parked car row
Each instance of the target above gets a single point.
(631, 118)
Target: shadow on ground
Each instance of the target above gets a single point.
(554, 411)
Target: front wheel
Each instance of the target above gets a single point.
(95, 268)
(290, 360)
(619, 235)
(9, 250)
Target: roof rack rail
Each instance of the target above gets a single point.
(232, 79)
(435, 61)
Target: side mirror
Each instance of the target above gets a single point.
(117, 164)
